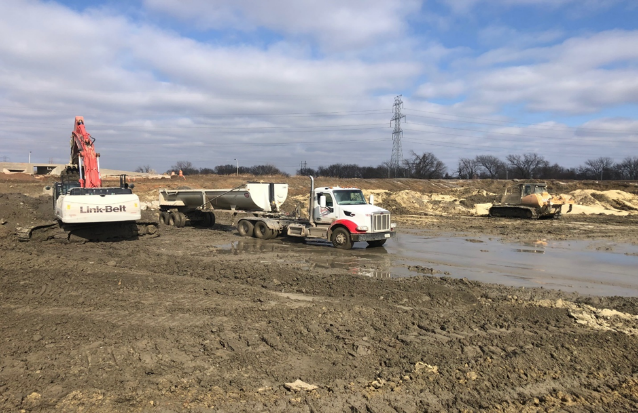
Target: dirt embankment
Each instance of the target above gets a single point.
(186, 321)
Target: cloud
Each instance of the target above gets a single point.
(335, 25)
(581, 75)
(140, 87)
(464, 6)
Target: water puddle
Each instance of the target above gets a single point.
(588, 267)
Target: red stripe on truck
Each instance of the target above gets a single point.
(352, 227)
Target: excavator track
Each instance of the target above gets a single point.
(81, 233)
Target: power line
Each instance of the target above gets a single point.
(495, 122)
(505, 133)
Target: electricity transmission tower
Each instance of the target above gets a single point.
(397, 134)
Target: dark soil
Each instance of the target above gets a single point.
(177, 323)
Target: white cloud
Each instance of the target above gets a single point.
(581, 75)
(335, 24)
(58, 63)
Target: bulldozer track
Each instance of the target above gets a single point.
(513, 212)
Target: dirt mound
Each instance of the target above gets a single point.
(614, 202)
(18, 210)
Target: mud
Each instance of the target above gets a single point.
(204, 320)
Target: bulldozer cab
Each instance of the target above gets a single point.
(528, 189)
(513, 195)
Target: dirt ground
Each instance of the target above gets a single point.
(181, 322)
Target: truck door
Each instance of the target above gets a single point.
(325, 215)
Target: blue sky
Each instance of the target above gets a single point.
(281, 82)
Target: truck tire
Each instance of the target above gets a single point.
(341, 239)
(163, 217)
(262, 231)
(182, 220)
(211, 219)
(376, 244)
(177, 219)
(245, 228)
(172, 219)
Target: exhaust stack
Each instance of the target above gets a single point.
(311, 204)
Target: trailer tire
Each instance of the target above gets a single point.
(341, 239)
(163, 217)
(262, 231)
(245, 228)
(376, 244)
(177, 219)
(211, 219)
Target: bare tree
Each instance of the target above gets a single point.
(468, 168)
(426, 166)
(597, 167)
(266, 170)
(528, 165)
(186, 167)
(145, 169)
(629, 168)
(491, 165)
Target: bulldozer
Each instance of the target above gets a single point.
(529, 200)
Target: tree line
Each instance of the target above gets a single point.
(428, 166)
(187, 168)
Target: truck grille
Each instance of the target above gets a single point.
(380, 222)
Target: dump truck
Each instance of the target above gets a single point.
(339, 215)
(529, 200)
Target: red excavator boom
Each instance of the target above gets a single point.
(83, 155)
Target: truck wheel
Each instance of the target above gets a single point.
(163, 217)
(211, 219)
(341, 239)
(177, 219)
(377, 243)
(182, 220)
(262, 231)
(245, 228)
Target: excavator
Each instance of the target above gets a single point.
(529, 200)
(84, 209)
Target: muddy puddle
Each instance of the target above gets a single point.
(588, 267)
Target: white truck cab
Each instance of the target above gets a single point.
(348, 209)
(340, 215)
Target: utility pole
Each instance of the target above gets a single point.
(302, 168)
(397, 134)
(29, 156)
(237, 164)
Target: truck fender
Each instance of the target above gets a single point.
(269, 223)
(350, 226)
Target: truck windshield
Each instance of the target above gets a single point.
(350, 197)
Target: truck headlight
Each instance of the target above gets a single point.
(393, 225)
(363, 228)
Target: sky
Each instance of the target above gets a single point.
(250, 82)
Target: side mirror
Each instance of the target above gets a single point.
(322, 201)
(371, 199)
(47, 188)
(131, 186)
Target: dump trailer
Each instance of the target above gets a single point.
(529, 200)
(339, 215)
(179, 207)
